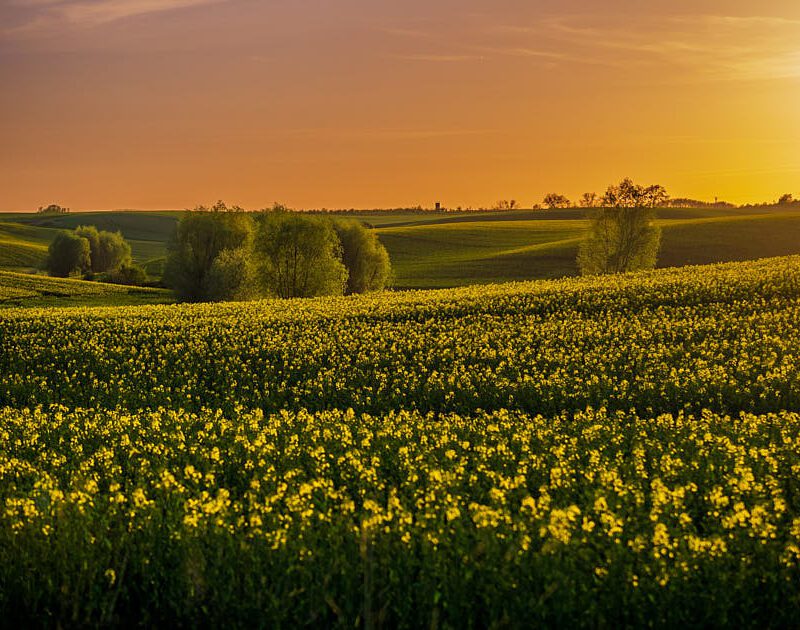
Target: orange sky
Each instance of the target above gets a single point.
(371, 103)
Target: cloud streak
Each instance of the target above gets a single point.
(708, 47)
(43, 15)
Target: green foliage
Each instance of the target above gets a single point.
(91, 234)
(232, 277)
(366, 259)
(299, 255)
(590, 452)
(69, 253)
(200, 237)
(128, 274)
(620, 240)
(622, 234)
(108, 250)
(113, 252)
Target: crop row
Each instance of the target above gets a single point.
(725, 338)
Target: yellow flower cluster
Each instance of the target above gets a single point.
(552, 447)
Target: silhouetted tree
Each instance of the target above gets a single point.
(52, 209)
(506, 204)
(68, 253)
(626, 194)
(200, 236)
(786, 200)
(622, 235)
(554, 200)
(365, 258)
(589, 200)
(299, 255)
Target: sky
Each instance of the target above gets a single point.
(154, 104)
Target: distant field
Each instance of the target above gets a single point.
(26, 290)
(442, 249)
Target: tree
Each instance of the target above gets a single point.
(554, 200)
(52, 209)
(626, 194)
(90, 233)
(786, 200)
(232, 277)
(200, 236)
(68, 253)
(108, 250)
(113, 252)
(588, 200)
(365, 258)
(506, 204)
(622, 235)
(299, 256)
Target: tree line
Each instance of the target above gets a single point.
(223, 253)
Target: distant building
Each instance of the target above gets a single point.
(438, 205)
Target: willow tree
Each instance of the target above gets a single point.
(366, 259)
(299, 255)
(623, 235)
(201, 236)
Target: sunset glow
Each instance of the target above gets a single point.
(362, 103)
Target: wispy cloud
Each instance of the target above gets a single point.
(42, 15)
(714, 46)
(705, 47)
(438, 58)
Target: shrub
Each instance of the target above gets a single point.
(128, 274)
(366, 259)
(68, 254)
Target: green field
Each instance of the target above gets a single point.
(617, 451)
(30, 291)
(442, 250)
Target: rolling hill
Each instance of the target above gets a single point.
(27, 290)
(441, 250)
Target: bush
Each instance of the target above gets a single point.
(128, 274)
(299, 255)
(68, 254)
(366, 259)
(108, 250)
(232, 277)
(201, 236)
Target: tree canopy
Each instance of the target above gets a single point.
(68, 253)
(622, 235)
(299, 255)
(200, 237)
(365, 258)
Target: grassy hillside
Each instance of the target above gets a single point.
(440, 250)
(24, 237)
(27, 290)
